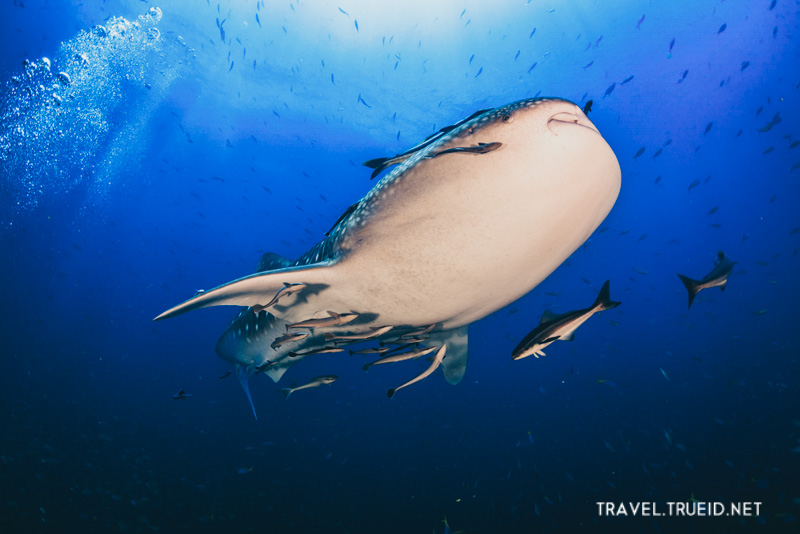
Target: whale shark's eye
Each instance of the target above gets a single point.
(507, 118)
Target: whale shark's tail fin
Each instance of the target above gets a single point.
(692, 286)
(246, 387)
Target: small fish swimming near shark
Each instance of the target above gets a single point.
(417, 333)
(480, 148)
(718, 277)
(288, 338)
(561, 327)
(323, 380)
(285, 291)
(181, 395)
(401, 357)
(364, 336)
(319, 350)
(379, 164)
(371, 350)
(437, 360)
(333, 319)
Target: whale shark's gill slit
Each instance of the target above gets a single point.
(246, 387)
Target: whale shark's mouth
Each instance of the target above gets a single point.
(576, 118)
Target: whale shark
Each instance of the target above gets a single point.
(461, 226)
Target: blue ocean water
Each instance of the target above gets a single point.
(183, 141)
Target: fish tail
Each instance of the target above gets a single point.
(391, 392)
(286, 392)
(692, 286)
(378, 165)
(366, 367)
(375, 163)
(604, 301)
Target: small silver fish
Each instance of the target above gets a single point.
(285, 291)
(364, 336)
(401, 357)
(334, 319)
(379, 164)
(320, 350)
(405, 340)
(718, 277)
(288, 338)
(313, 383)
(437, 360)
(372, 350)
(419, 332)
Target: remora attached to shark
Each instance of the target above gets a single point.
(453, 233)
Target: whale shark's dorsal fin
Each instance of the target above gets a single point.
(246, 387)
(454, 364)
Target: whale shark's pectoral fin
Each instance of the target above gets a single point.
(277, 369)
(246, 387)
(454, 364)
(261, 288)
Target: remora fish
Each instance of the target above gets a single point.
(313, 383)
(288, 338)
(333, 319)
(379, 164)
(364, 336)
(285, 291)
(392, 256)
(401, 357)
(554, 327)
(437, 360)
(318, 350)
(718, 277)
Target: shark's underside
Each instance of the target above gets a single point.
(466, 223)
